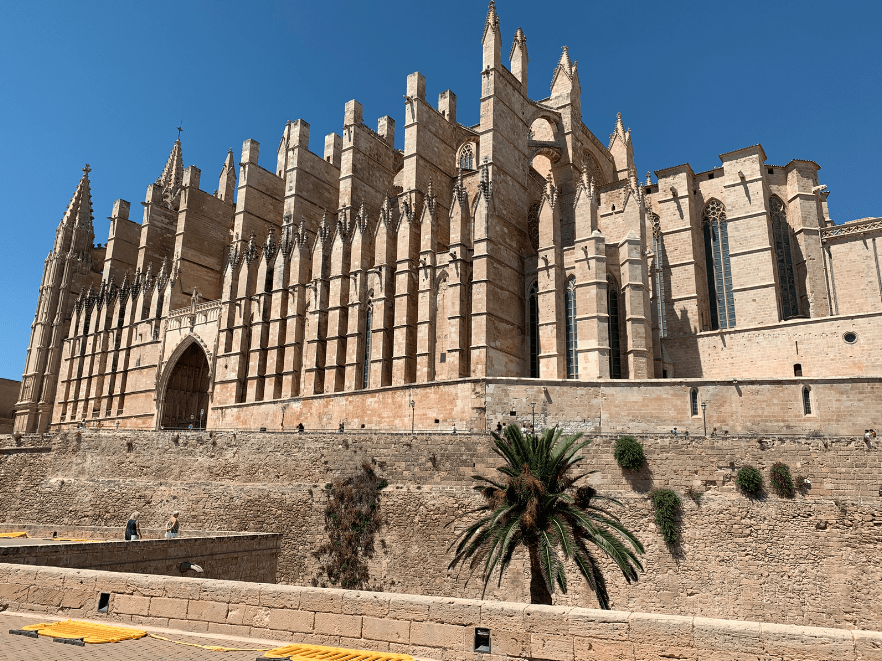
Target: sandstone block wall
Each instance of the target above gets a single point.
(840, 406)
(813, 560)
(425, 627)
(251, 557)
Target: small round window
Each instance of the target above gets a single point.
(849, 337)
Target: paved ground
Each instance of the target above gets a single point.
(21, 648)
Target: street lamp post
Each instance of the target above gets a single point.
(412, 415)
(533, 408)
(704, 416)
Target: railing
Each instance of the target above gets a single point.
(857, 227)
(201, 307)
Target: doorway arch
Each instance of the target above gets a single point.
(187, 390)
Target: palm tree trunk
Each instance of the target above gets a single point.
(539, 593)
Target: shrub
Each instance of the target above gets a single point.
(629, 453)
(802, 484)
(695, 495)
(782, 483)
(667, 507)
(749, 480)
(352, 518)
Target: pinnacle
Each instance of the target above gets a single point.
(565, 59)
(492, 22)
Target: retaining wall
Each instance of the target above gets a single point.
(250, 557)
(814, 560)
(425, 627)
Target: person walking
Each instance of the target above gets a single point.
(172, 526)
(133, 530)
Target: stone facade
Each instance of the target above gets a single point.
(814, 560)
(522, 247)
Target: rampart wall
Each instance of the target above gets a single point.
(425, 627)
(813, 560)
(249, 557)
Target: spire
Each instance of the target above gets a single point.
(79, 209)
(171, 178)
(227, 182)
(173, 174)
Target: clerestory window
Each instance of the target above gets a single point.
(366, 364)
(784, 258)
(719, 271)
(533, 307)
(612, 308)
(570, 305)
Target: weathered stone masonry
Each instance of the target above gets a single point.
(814, 560)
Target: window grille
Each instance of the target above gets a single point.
(807, 401)
(719, 270)
(366, 365)
(533, 303)
(693, 401)
(570, 295)
(784, 257)
(612, 306)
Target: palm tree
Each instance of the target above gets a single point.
(537, 505)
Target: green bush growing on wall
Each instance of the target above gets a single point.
(782, 483)
(749, 480)
(667, 505)
(629, 453)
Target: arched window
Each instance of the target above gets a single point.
(659, 276)
(693, 401)
(806, 400)
(783, 255)
(466, 158)
(533, 310)
(366, 365)
(719, 270)
(570, 305)
(612, 308)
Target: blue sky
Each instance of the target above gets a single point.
(107, 83)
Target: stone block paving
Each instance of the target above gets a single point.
(21, 648)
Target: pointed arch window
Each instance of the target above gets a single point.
(719, 270)
(366, 364)
(659, 276)
(693, 402)
(570, 307)
(466, 158)
(784, 257)
(533, 311)
(806, 400)
(612, 308)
